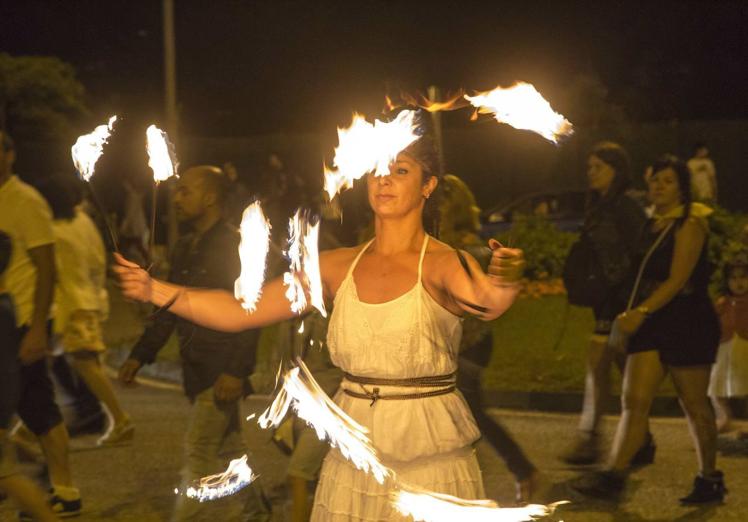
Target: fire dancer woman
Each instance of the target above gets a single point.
(395, 331)
(674, 329)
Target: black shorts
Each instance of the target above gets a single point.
(685, 333)
(10, 382)
(31, 393)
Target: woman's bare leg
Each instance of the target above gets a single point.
(692, 383)
(88, 367)
(723, 413)
(642, 377)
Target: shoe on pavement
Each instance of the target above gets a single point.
(61, 508)
(531, 490)
(584, 451)
(118, 434)
(602, 485)
(706, 489)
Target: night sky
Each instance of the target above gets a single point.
(256, 67)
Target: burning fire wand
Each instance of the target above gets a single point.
(163, 162)
(86, 152)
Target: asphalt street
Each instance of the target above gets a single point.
(136, 482)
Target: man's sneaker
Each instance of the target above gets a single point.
(61, 508)
(118, 434)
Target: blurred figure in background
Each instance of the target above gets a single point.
(459, 224)
(81, 299)
(703, 175)
(612, 224)
(215, 364)
(30, 281)
(134, 231)
(729, 379)
(29, 497)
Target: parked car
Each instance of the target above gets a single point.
(563, 208)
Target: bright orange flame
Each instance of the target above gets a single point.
(364, 147)
(523, 107)
(161, 156)
(88, 149)
(253, 251)
(426, 506)
(302, 393)
(304, 273)
(238, 475)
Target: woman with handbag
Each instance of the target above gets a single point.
(673, 329)
(594, 276)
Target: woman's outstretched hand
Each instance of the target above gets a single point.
(134, 281)
(507, 264)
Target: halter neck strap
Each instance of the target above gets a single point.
(367, 245)
(423, 254)
(358, 257)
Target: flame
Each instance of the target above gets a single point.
(523, 107)
(253, 251)
(237, 476)
(364, 147)
(453, 102)
(88, 149)
(301, 392)
(161, 156)
(426, 506)
(304, 264)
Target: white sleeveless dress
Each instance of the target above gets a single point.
(426, 441)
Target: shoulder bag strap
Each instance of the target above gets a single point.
(649, 253)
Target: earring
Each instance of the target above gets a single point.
(427, 195)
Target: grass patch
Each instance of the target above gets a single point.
(540, 344)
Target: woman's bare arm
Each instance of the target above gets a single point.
(689, 240)
(485, 295)
(216, 309)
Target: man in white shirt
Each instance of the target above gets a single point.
(30, 280)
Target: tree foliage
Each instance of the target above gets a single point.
(39, 95)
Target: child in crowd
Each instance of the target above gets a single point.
(729, 377)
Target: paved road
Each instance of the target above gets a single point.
(136, 483)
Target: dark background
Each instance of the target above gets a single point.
(287, 73)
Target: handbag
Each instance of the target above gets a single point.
(617, 339)
(583, 275)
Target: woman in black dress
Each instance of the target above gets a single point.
(674, 329)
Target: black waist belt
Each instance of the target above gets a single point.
(445, 382)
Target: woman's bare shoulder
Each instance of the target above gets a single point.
(339, 256)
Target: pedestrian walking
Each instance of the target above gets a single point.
(595, 276)
(673, 330)
(459, 225)
(215, 364)
(81, 299)
(30, 281)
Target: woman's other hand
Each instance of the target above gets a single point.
(134, 281)
(629, 322)
(507, 264)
